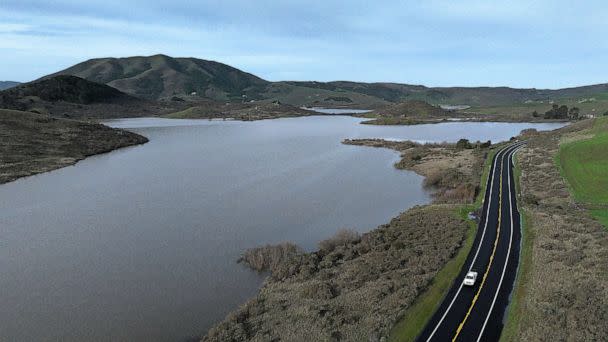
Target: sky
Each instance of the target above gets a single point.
(526, 44)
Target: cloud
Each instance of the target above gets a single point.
(470, 42)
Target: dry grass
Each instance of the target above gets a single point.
(566, 297)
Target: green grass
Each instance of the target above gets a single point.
(416, 317)
(515, 311)
(584, 164)
(601, 215)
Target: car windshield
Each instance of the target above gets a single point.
(469, 276)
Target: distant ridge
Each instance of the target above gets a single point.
(163, 77)
(7, 84)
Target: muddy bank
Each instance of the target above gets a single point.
(36, 143)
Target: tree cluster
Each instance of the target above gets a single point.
(562, 112)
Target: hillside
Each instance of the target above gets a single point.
(240, 111)
(35, 143)
(407, 112)
(7, 84)
(71, 96)
(161, 76)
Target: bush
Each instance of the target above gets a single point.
(342, 237)
(269, 257)
(463, 143)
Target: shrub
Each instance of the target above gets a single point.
(269, 257)
(342, 237)
(463, 143)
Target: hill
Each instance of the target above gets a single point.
(407, 112)
(161, 76)
(34, 143)
(71, 96)
(7, 84)
(240, 111)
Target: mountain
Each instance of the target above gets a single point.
(161, 76)
(7, 84)
(71, 96)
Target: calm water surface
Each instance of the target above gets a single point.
(140, 244)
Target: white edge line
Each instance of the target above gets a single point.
(478, 247)
(504, 269)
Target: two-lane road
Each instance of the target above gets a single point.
(475, 313)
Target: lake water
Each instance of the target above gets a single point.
(140, 244)
(338, 110)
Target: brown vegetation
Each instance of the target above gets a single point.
(270, 257)
(34, 143)
(354, 291)
(566, 297)
(341, 238)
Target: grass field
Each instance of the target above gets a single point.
(414, 320)
(584, 163)
(596, 107)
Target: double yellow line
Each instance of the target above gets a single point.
(485, 275)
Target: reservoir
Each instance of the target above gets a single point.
(141, 244)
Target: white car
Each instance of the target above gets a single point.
(470, 278)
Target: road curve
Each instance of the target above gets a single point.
(476, 313)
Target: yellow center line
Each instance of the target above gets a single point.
(485, 275)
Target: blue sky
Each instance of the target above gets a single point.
(542, 44)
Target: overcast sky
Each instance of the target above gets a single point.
(543, 44)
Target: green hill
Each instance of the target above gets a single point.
(161, 76)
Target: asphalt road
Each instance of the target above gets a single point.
(476, 313)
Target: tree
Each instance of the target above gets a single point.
(557, 112)
(463, 143)
(574, 113)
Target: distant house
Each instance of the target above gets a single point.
(193, 93)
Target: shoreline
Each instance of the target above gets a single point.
(37, 143)
(258, 320)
